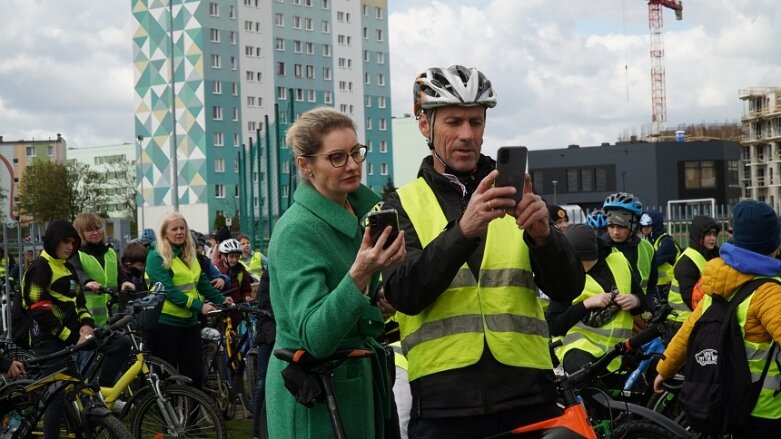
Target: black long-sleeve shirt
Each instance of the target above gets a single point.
(411, 286)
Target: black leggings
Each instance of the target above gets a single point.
(180, 346)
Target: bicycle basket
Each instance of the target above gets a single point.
(151, 308)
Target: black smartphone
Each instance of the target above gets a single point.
(511, 164)
(379, 220)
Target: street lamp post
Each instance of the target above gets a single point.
(140, 152)
(555, 182)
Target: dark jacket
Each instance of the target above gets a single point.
(267, 327)
(629, 249)
(686, 272)
(563, 316)
(487, 386)
(668, 249)
(59, 309)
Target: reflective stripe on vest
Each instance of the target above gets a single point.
(398, 356)
(645, 257)
(185, 280)
(665, 271)
(502, 310)
(105, 275)
(3, 262)
(768, 404)
(597, 341)
(674, 298)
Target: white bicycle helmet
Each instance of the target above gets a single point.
(230, 246)
(455, 85)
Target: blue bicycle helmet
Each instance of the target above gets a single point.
(596, 220)
(623, 201)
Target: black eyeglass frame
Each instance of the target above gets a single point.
(360, 150)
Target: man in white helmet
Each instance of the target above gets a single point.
(472, 326)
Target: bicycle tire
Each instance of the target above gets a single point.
(250, 377)
(668, 404)
(196, 411)
(109, 427)
(215, 380)
(640, 430)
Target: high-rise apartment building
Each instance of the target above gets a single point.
(209, 75)
(760, 173)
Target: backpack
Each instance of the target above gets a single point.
(718, 394)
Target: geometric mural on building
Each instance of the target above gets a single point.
(160, 113)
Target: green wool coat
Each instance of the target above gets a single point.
(319, 308)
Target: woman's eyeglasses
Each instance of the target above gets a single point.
(338, 159)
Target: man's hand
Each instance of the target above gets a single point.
(487, 204)
(598, 301)
(531, 214)
(15, 370)
(627, 301)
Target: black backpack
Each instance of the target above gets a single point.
(718, 394)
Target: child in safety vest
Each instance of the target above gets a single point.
(239, 288)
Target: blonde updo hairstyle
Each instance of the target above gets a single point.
(305, 135)
(163, 245)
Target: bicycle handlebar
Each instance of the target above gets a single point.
(91, 343)
(304, 358)
(241, 307)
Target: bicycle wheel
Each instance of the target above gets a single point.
(110, 427)
(668, 404)
(250, 376)
(190, 411)
(640, 430)
(215, 380)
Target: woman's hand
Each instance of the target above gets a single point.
(93, 286)
(128, 286)
(218, 283)
(598, 301)
(627, 301)
(15, 370)
(207, 307)
(371, 259)
(229, 300)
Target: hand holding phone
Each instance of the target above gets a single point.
(511, 164)
(379, 220)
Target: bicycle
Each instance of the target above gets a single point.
(162, 403)
(624, 420)
(229, 364)
(24, 402)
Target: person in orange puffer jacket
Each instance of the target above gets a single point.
(756, 240)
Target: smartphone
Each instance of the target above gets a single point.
(379, 220)
(511, 164)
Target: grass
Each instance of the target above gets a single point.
(240, 428)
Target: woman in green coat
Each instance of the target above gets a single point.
(324, 270)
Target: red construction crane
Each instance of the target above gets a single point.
(658, 87)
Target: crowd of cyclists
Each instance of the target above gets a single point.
(455, 325)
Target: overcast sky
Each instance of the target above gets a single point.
(567, 71)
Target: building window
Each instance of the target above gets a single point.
(231, 12)
(233, 38)
(383, 125)
(368, 103)
(214, 35)
(327, 73)
(310, 48)
(248, 26)
(383, 146)
(379, 35)
(365, 33)
(600, 180)
(368, 123)
(297, 46)
(370, 169)
(236, 193)
(310, 95)
(367, 78)
(572, 180)
(310, 72)
(217, 113)
(328, 97)
(378, 13)
(216, 61)
(235, 114)
(326, 25)
(342, 85)
(279, 44)
(251, 125)
(281, 93)
(249, 50)
(380, 57)
(365, 56)
(325, 4)
(250, 75)
(700, 174)
(236, 140)
(298, 70)
(280, 68)
(50, 151)
(380, 79)
(383, 169)
(326, 50)
(339, 16)
(216, 87)
(365, 10)
(219, 165)
(296, 22)
(369, 146)
(250, 101)
(381, 101)
(235, 89)
(214, 9)
(279, 20)
(308, 24)
(219, 191)
(234, 64)
(218, 141)
(299, 95)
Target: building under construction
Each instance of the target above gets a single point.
(760, 173)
